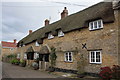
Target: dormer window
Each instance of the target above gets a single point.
(50, 36)
(36, 43)
(98, 24)
(60, 33)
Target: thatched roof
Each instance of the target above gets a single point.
(44, 50)
(75, 21)
(30, 49)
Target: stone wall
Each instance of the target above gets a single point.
(7, 51)
(104, 39)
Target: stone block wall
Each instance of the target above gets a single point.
(104, 39)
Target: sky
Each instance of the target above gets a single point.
(17, 17)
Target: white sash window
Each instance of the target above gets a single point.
(98, 24)
(95, 57)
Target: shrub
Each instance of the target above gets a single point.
(11, 56)
(116, 71)
(15, 61)
(53, 58)
(12, 61)
(23, 63)
(106, 73)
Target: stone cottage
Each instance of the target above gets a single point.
(88, 38)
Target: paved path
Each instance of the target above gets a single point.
(13, 71)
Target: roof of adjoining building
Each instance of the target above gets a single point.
(8, 44)
(102, 10)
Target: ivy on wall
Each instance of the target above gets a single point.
(53, 57)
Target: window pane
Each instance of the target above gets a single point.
(92, 57)
(70, 56)
(97, 56)
(91, 25)
(95, 24)
(66, 58)
(99, 24)
(69, 53)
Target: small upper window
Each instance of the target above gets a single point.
(60, 33)
(95, 57)
(50, 36)
(96, 25)
(36, 43)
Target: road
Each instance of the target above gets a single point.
(13, 71)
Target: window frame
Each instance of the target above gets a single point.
(25, 55)
(18, 56)
(95, 57)
(68, 56)
(50, 36)
(36, 56)
(97, 26)
(60, 33)
(37, 44)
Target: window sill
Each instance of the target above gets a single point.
(36, 46)
(95, 63)
(50, 38)
(61, 36)
(68, 61)
(95, 29)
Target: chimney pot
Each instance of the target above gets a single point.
(15, 40)
(30, 31)
(47, 22)
(64, 13)
(65, 7)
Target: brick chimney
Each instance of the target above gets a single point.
(30, 31)
(64, 13)
(15, 41)
(47, 22)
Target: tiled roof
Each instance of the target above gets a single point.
(8, 44)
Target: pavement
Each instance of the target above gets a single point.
(14, 71)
